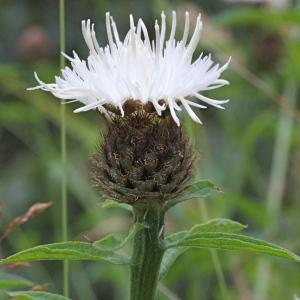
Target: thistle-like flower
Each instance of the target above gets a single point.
(160, 71)
(139, 85)
(143, 159)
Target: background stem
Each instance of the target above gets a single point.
(64, 200)
(215, 258)
(147, 253)
(276, 187)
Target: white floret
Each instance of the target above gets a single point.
(160, 71)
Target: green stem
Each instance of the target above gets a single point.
(276, 186)
(215, 258)
(64, 200)
(147, 253)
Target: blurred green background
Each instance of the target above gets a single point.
(251, 150)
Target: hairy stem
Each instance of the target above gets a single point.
(147, 253)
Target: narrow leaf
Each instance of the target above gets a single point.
(218, 225)
(68, 251)
(11, 282)
(36, 296)
(215, 225)
(115, 204)
(200, 189)
(170, 256)
(112, 243)
(234, 242)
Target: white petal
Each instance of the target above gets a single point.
(190, 111)
(212, 102)
(186, 28)
(108, 30)
(88, 107)
(173, 28)
(195, 39)
(173, 113)
(139, 69)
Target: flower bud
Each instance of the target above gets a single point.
(143, 157)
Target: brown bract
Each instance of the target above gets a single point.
(33, 211)
(143, 158)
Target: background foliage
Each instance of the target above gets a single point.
(251, 150)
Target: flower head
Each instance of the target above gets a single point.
(160, 71)
(142, 159)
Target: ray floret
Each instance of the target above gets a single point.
(160, 71)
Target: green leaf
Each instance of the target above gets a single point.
(115, 204)
(170, 256)
(112, 243)
(218, 225)
(68, 251)
(214, 225)
(200, 189)
(11, 282)
(233, 242)
(36, 296)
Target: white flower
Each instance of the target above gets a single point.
(160, 71)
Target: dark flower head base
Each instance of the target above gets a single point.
(143, 157)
